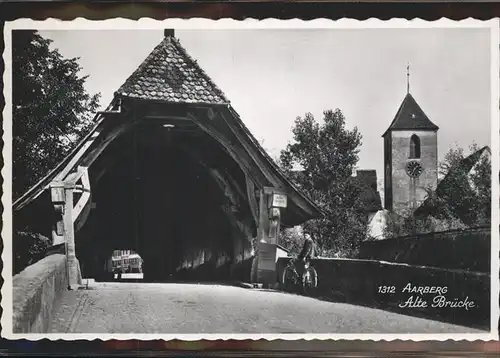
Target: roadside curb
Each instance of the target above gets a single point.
(244, 284)
(248, 285)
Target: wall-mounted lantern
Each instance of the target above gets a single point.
(58, 198)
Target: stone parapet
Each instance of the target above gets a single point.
(36, 291)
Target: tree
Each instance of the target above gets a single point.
(480, 181)
(28, 248)
(452, 159)
(328, 154)
(292, 239)
(51, 107)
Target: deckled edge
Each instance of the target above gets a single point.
(6, 319)
(196, 23)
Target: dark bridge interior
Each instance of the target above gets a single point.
(155, 193)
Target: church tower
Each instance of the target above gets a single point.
(410, 157)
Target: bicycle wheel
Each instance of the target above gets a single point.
(289, 279)
(309, 280)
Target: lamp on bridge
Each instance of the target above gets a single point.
(58, 200)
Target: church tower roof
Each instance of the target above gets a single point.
(411, 117)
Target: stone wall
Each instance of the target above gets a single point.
(36, 290)
(361, 282)
(455, 249)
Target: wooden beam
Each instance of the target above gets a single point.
(248, 149)
(252, 201)
(224, 143)
(92, 155)
(250, 185)
(90, 140)
(237, 226)
(273, 178)
(84, 199)
(104, 164)
(73, 178)
(214, 173)
(223, 176)
(100, 140)
(167, 118)
(161, 110)
(46, 181)
(263, 227)
(225, 187)
(84, 215)
(234, 184)
(99, 174)
(69, 238)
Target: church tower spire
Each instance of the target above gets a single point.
(408, 78)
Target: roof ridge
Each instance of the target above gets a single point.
(179, 46)
(477, 153)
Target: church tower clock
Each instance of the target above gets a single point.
(410, 157)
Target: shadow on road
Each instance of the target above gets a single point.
(233, 283)
(333, 297)
(422, 313)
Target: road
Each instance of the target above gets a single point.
(121, 307)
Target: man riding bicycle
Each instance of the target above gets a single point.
(305, 255)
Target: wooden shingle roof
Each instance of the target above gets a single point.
(411, 116)
(169, 74)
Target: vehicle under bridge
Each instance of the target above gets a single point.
(169, 170)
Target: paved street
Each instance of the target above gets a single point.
(199, 308)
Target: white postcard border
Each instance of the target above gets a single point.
(145, 24)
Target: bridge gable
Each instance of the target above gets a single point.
(170, 87)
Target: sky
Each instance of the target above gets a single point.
(273, 76)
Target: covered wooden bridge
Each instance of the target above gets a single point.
(168, 170)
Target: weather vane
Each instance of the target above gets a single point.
(408, 78)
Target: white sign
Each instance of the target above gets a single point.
(279, 201)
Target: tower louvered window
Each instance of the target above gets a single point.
(414, 147)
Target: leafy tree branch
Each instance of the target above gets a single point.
(51, 108)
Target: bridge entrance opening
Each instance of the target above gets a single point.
(170, 193)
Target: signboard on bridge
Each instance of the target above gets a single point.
(279, 201)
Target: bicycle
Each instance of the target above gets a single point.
(291, 280)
